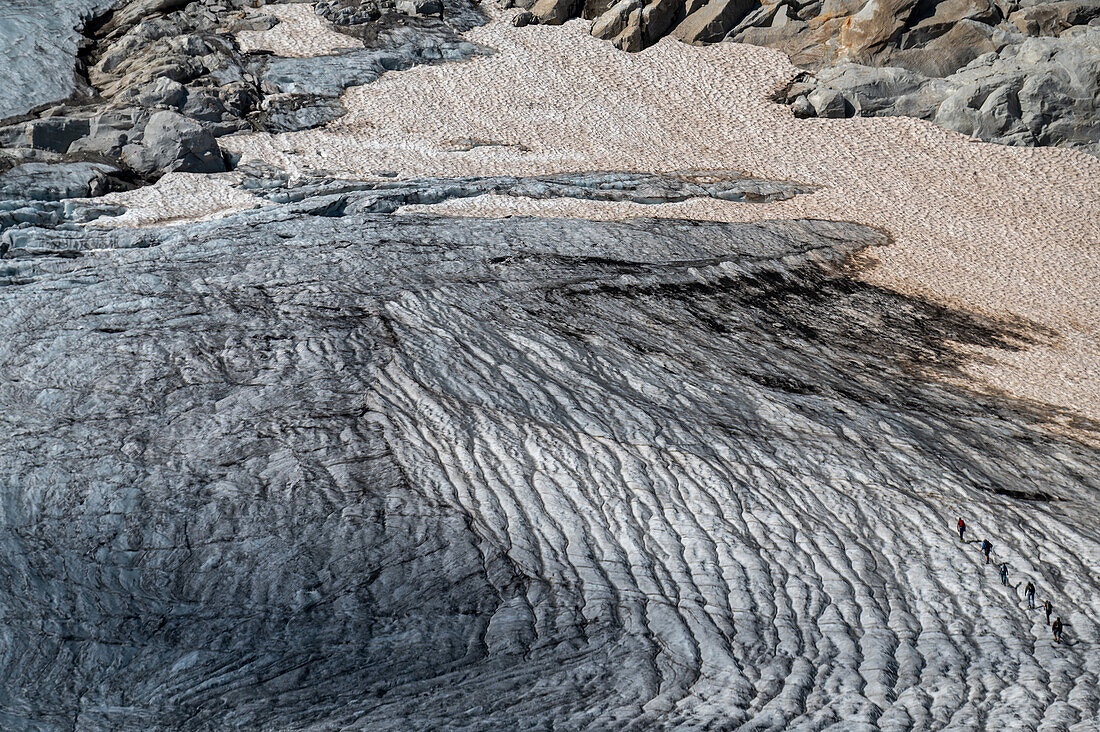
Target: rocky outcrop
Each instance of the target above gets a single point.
(165, 79)
(712, 21)
(1025, 94)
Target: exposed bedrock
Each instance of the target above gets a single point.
(365, 470)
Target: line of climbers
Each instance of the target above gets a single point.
(1029, 591)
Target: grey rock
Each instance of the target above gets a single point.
(872, 91)
(291, 112)
(828, 102)
(346, 13)
(556, 12)
(641, 188)
(1023, 94)
(55, 181)
(524, 18)
(172, 142)
(712, 21)
(420, 7)
(255, 23)
(329, 76)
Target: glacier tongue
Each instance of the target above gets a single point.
(319, 468)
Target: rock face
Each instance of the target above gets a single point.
(317, 465)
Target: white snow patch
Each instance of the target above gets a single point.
(301, 33)
(178, 198)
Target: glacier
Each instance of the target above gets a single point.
(285, 450)
(313, 466)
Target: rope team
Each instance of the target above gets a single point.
(1029, 590)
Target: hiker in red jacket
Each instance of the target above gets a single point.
(962, 528)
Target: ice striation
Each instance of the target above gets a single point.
(323, 466)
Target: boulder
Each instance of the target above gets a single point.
(555, 12)
(55, 181)
(163, 92)
(172, 142)
(56, 134)
(829, 103)
(712, 22)
(423, 8)
(1051, 19)
(869, 90)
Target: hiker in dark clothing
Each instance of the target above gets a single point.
(1049, 609)
(987, 547)
(1004, 573)
(1057, 628)
(1029, 594)
(962, 528)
